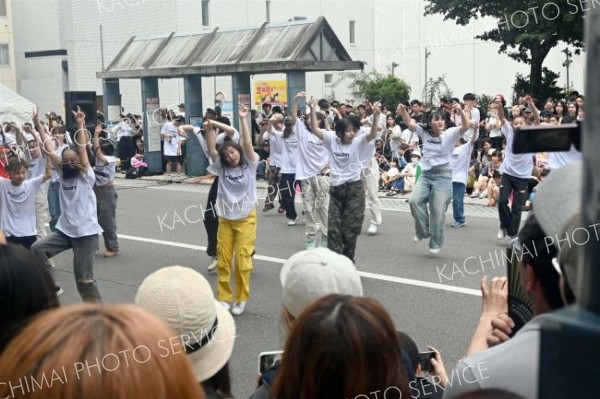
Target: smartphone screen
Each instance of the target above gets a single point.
(534, 139)
(425, 361)
(267, 360)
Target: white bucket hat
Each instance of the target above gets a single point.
(184, 299)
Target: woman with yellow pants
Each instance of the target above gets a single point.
(236, 201)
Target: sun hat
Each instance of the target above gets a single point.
(309, 275)
(415, 153)
(184, 299)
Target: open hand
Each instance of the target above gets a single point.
(79, 115)
(243, 111)
(494, 296)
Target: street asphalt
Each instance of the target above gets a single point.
(434, 299)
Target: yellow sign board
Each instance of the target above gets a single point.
(273, 92)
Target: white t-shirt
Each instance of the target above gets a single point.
(558, 159)
(9, 138)
(55, 177)
(409, 137)
(171, 146)
(345, 158)
(475, 118)
(395, 138)
(437, 150)
(78, 216)
(461, 159)
(313, 156)
(105, 173)
(219, 140)
(236, 195)
(37, 167)
(393, 172)
(124, 129)
(366, 156)
(516, 165)
(17, 207)
(492, 120)
(278, 153)
(290, 150)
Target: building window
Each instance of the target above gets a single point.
(4, 59)
(205, 19)
(328, 78)
(3, 11)
(352, 32)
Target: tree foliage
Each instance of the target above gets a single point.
(549, 88)
(526, 30)
(375, 86)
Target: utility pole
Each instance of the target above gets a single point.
(567, 63)
(427, 54)
(102, 48)
(394, 65)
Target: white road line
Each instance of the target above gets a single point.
(374, 276)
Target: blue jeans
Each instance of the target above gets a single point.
(53, 204)
(428, 204)
(458, 201)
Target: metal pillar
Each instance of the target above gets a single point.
(296, 81)
(112, 99)
(195, 162)
(152, 127)
(240, 84)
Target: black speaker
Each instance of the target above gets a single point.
(87, 102)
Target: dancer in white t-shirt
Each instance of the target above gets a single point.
(77, 226)
(236, 201)
(312, 170)
(460, 162)
(346, 196)
(172, 149)
(433, 191)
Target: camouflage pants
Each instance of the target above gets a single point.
(346, 215)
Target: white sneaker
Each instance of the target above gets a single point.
(51, 263)
(417, 239)
(238, 308)
(475, 194)
(213, 264)
(59, 291)
(292, 222)
(483, 195)
(501, 234)
(372, 229)
(435, 251)
(225, 305)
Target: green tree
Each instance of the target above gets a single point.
(549, 88)
(526, 30)
(375, 86)
(484, 101)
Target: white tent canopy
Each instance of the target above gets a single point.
(13, 107)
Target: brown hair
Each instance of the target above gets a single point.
(16, 163)
(91, 351)
(223, 153)
(342, 347)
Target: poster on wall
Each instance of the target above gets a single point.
(273, 92)
(153, 129)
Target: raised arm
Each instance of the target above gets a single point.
(408, 121)
(81, 138)
(375, 125)
(501, 115)
(246, 135)
(211, 141)
(314, 124)
(46, 141)
(297, 98)
(229, 130)
(534, 110)
(465, 118)
(96, 146)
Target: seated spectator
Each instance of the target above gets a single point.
(481, 187)
(493, 189)
(305, 277)
(392, 180)
(26, 289)
(411, 172)
(183, 298)
(91, 351)
(342, 347)
(556, 210)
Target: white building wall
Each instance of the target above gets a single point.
(386, 31)
(7, 72)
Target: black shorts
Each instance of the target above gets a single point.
(27, 242)
(174, 158)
